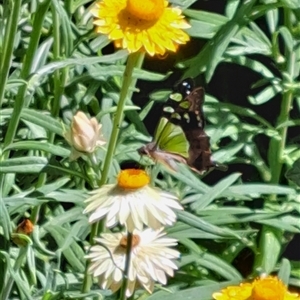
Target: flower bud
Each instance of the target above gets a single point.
(26, 228)
(84, 135)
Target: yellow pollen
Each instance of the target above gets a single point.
(269, 288)
(135, 241)
(133, 179)
(149, 10)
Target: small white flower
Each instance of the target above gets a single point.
(84, 135)
(132, 202)
(151, 259)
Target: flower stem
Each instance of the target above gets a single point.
(59, 82)
(8, 41)
(8, 45)
(270, 243)
(127, 266)
(27, 63)
(134, 61)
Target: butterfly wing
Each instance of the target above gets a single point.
(193, 126)
(169, 143)
(171, 138)
(192, 122)
(180, 133)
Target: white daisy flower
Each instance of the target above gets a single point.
(151, 259)
(132, 202)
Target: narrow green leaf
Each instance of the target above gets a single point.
(9, 181)
(183, 3)
(293, 4)
(186, 175)
(191, 233)
(261, 189)
(215, 192)
(84, 61)
(231, 8)
(27, 164)
(272, 16)
(219, 266)
(224, 219)
(42, 146)
(13, 83)
(77, 3)
(57, 184)
(252, 64)
(265, 95)
(41, 54)
(65, 28)
(192, 293)
(293, 174)
(288, 38)
(270, 248)
(5, 220)
(213, 51)
(74, 254)
(289, 123)
(285, 271)
(30, 259)
(280, 224)
(43, 119)
(197, 222)
(204, 24)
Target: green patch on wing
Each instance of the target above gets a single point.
(171, 138)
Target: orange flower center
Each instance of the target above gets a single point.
(135, 241)
(149, 10)
(133, 179)
(269, 288)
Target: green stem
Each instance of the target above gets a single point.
(20, 99)
(17, 266)
(127, 266)
(270, 242)
(134, 60)
(56, 56)
(8, 46)
(58, 92)
(5, 63)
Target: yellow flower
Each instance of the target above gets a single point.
(132, 202)
(264, 288)
(146, 25)
(151, 259)
(84, 135)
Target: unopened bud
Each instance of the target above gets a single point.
(84, 135)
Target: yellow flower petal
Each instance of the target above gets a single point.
(264, 288)
(148, 25)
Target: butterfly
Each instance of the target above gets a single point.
(180, 135)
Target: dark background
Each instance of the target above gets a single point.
(230, 83)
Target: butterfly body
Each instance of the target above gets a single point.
(180, 135)
(166, 158)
